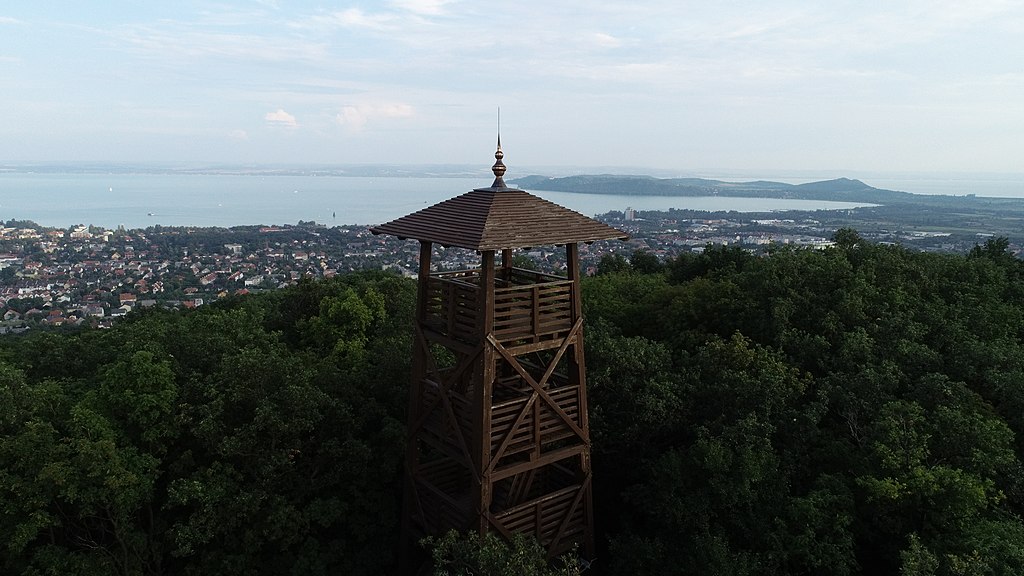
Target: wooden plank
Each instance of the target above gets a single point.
(543, 460)
(497, 523)
(467, 361)
(533, 383)
(457, 346)
(584, 489)
(528, 284)
(496, 455)
(562, 495)
(531, 347)
(482, 398)
(558, 355)
(458, 431)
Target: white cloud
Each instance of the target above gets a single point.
(200, 44)
(281, 118)
(423, 7)
(356, 117)
(238, 135)
(605, 40)
(356, 18)
(9, 20)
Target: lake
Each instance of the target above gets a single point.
(141, 200)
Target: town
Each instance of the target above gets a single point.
(91, 276)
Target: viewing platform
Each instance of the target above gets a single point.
(530, 308)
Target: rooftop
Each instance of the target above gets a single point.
(497, 218)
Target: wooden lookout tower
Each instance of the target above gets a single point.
(498, 435)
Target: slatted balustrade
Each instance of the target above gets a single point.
(539, 419)
(543, 517)
(442, 491)
(437, 426)
(527, 305)
(452, 304)
(532, 311)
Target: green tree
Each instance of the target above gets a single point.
(612, 264)
(231, 439)
(644, 262)
(847, 238)
(470, 554)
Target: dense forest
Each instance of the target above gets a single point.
(854, 410)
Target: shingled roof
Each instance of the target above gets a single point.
(498, 217)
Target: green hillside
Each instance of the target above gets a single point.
(840, 189)
(857, 410)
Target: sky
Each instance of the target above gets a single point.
(841, 86)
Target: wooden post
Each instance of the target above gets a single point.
(572, 263)
(578, 376)
(423, 282)
(418, 372)
(482, 397)
(506, 264)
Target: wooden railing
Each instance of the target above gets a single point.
(543, 516)
(532, 310)
(443, 496)
(527, 304)
(452, 304)
(438, 427)
(539, 426)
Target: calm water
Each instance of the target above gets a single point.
(140, 200)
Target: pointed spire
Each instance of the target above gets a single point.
(499, 167)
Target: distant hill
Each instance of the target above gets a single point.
(839, 189)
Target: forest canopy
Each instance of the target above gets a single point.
(853, 410)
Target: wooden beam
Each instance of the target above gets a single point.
(572, 262)
(483, 392)
(578, 376)
(423, 281)
(549, 458)
(511, 432)
(506, 262)
(561, 351)
(418, 371)
(584, 489)
(443, 389)
(449, 343)
(533, 384)
(463, 445)
(497, 524)
(535, 347)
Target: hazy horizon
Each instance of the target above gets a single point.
(482, 170)
(987, 184)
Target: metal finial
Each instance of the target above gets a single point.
(499, 168)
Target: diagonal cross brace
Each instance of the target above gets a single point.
(569, 513)
(445, 401)
(537, 387)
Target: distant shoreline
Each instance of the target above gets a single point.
(984, 184)
(140, 200)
